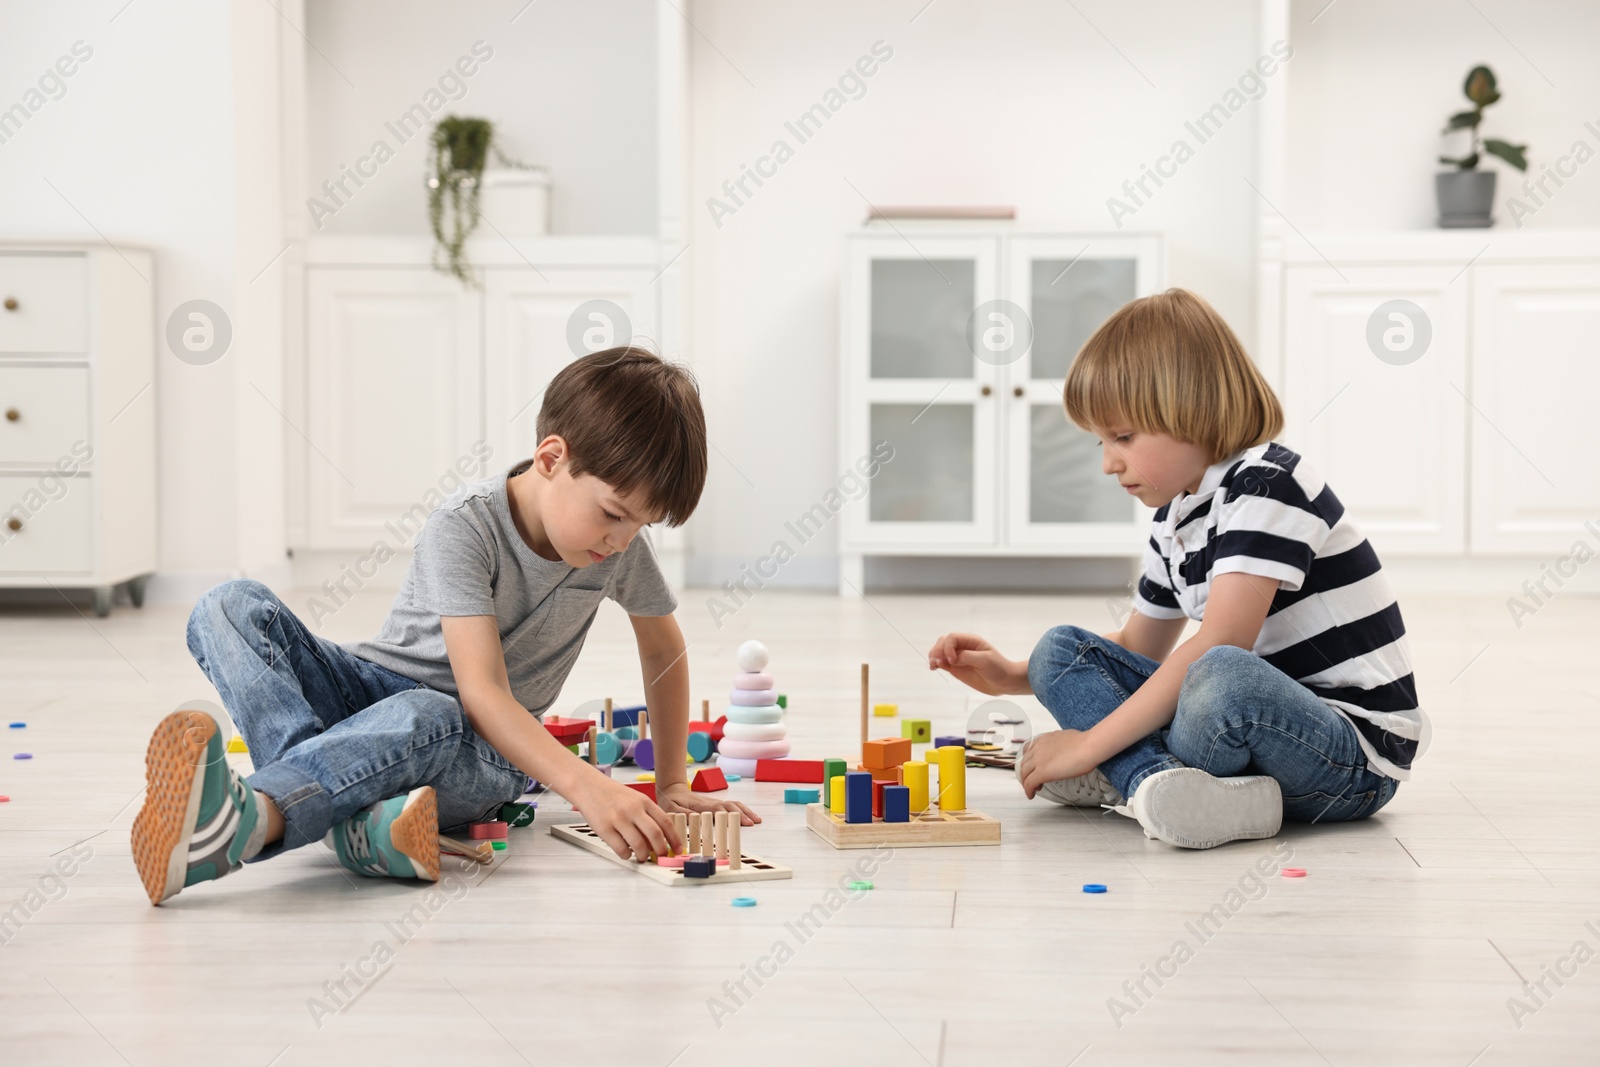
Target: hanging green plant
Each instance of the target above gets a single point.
(460, 150)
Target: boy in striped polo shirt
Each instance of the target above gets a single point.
(1295, 698)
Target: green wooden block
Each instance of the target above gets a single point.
(515, 814)
(831, 769)
(783, 700)
(919, 730)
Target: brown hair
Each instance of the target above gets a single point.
(634, 421)
(1168, 363)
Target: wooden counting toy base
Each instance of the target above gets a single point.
(751, 868)
(927, 829)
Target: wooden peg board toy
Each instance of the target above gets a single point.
(928, 828)
(751, 868)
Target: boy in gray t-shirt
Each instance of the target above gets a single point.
(372, 746)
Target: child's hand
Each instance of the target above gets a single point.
(972, 660)
(1053, 756)
(679, 797)
(625, 819)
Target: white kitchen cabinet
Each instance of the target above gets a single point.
(394, 395)
(77, 419)
(954, 348)
(529, 317)
(1476, 447)
(411, 377)
(1388, 436)
(1535, 465)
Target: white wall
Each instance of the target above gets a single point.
(1374, 81)
(569, 84)
(1023, 103)
(140, 148)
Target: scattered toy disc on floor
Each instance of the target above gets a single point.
(1293, 872)
(499, 846)
(743, 902)
(18, 725)
(1094, 887)
(860, 884)
(645, 777)
(4, 798)
(731, 778)
(23, 755)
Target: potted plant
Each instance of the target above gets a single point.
(456, 182)
(1466, 195)
(460, 150)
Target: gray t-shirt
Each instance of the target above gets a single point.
(469, 559)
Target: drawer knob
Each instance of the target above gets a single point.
(986, 390)
(12, 414)
(11, 303)
(13, 524)
(1016, 390)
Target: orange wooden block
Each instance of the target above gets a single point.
(881, 774)
(886, 754)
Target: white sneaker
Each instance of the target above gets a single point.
(1191, 809)
(1090, 790)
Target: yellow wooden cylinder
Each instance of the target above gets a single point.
(914, 776)
(836, 794)
(952, 761)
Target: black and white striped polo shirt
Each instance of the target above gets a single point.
(1334, 625)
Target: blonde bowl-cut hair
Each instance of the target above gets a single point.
(1168, 363)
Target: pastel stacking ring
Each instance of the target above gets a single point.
(764, 731)
(752, 680)
(736, 768)
(770, 713)
(753, 698)
(753, 750)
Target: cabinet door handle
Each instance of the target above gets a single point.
(11, 303)
(12, 414)
(14, 524)
(1016, 390)
(986, 390)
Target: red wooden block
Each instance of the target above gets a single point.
(702, 727)
(647, 788)
(487, 831)
(790, 770)
(886, 753)
(569, 731)
(877, 796)
(716, 734)
(708, 780)
(882, 774)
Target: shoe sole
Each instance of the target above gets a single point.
(415, 832)
(1193, 809)
(174, 781)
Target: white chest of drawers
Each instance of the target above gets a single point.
(77, 419)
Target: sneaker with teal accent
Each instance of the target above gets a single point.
(394, 838)
(198, 813)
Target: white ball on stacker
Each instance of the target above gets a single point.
(751, 657)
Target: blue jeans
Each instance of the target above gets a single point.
(1237, 714)
(330, 733)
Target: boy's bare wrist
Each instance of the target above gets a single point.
(1021, 687)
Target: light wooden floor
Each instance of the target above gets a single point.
(1402, 946)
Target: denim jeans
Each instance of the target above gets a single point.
(330, 733)
(1237, 714)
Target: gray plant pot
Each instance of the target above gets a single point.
(1466, 198)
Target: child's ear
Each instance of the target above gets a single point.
(549, 454)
